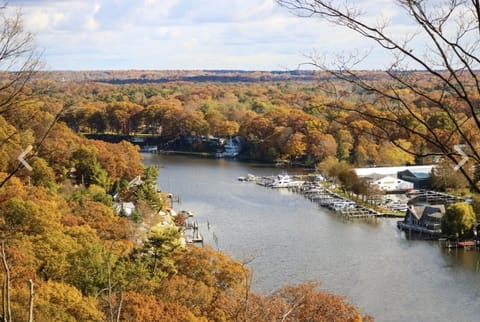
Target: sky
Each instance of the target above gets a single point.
(187, 34)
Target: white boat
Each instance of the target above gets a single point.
(149, 149)
(285, 181)
(249, 177)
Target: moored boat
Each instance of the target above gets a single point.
(149, 149)
(285, 181)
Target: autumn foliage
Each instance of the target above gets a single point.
(85, 260)
(60, 228)
(297, 121)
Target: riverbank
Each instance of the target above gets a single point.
(209, 149)
(187, 153)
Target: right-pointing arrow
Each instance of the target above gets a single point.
(22, 160)
(459, 149)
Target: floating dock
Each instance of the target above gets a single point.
(316, 192)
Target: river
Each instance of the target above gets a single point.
(287, 239)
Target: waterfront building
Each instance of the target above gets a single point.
(424, 219)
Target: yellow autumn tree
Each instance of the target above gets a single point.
(392, 155)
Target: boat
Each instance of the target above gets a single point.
(249, 177)
(283, 180)
(461, 244)
(149, 149)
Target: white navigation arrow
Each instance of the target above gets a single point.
(22, 156)
(459, 149)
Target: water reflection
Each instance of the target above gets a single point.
(462, 257)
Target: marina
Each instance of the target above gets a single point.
(316, 191)
(287, 239)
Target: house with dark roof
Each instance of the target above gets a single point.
(424, 219)
(420, 180)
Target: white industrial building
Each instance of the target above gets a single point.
(390, 184)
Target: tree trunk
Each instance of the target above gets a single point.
(32, 294)
(120, 306)
(7, 311)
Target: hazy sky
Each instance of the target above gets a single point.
(187, 34)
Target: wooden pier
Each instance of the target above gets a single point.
(323, 197)
(433, 197)
(191, 232)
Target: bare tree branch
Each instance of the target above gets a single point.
(450, 34)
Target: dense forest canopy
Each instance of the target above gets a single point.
(293, 120)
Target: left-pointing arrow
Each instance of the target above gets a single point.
(22, 160)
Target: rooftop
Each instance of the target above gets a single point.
(384, 171)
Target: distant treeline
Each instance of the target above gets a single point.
(163, 76)
(212, 78)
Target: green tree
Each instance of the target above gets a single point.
(159, 246)
(147, 190)
(87, 167)
(458, 220)
(476, 205)
(19, 215)
(88, 268)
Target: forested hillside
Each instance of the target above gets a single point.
(67, 255)
(68, 252)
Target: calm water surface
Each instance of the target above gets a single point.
(290, 240)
